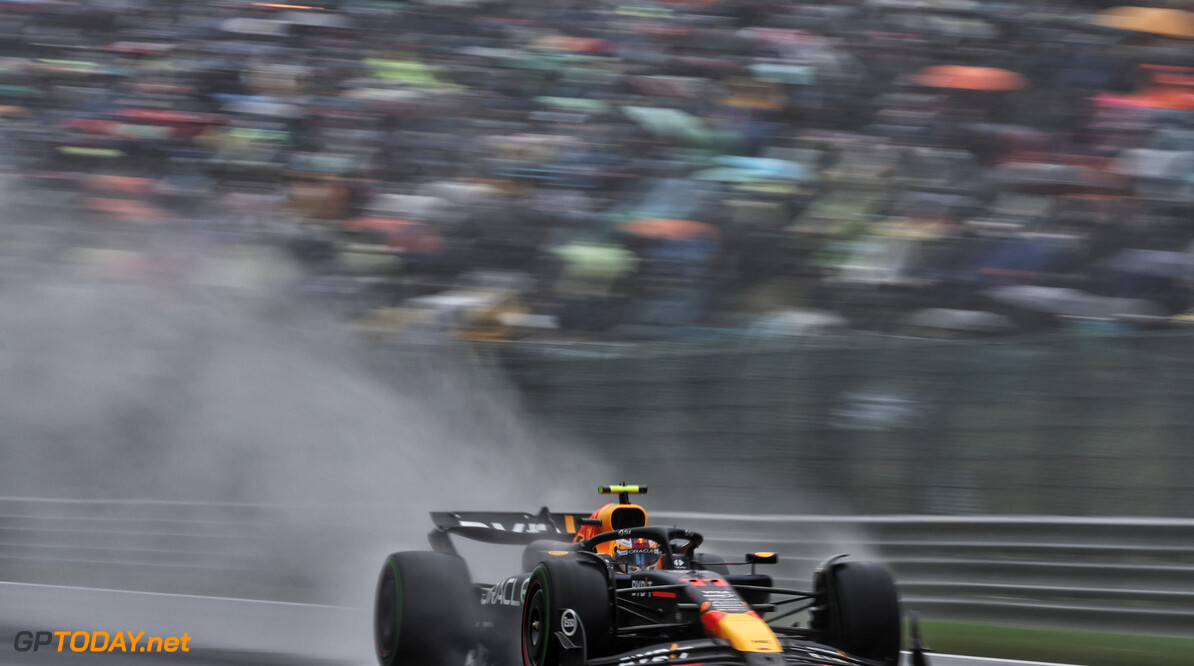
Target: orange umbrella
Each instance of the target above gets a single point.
(669, 229)
(1174, 23)
(962, 77)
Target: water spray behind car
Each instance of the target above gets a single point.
(238, 449)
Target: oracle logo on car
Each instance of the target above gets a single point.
(506, 593)
(517, 528)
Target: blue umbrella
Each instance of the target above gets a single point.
(768, 168)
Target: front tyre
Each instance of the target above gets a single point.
(558, 586)
(425, 611)
(859, 611)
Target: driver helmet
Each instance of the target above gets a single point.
(636, 554)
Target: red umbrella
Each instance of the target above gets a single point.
(962, 77)
(91, 125)
(574, 44)
(670, 229)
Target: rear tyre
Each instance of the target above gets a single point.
(558, 585)
(537, 551)
(425, 611)
(859, 611)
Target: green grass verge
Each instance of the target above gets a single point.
(1057, 645)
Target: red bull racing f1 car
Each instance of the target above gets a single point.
(608, 589)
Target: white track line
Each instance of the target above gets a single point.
(964, 657)
(175, 596)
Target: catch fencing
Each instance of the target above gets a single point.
(1084, 425)
(1119, 575)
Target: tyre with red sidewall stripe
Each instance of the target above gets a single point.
(557, 586)
(425, 611)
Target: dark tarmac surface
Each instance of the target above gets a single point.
(198, 657)
(213, 657)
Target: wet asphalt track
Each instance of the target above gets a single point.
(211, 657)
(197, 657)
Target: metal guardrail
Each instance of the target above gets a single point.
(255, 551)
(1106, 574)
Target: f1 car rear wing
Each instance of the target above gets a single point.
(503, 527)
(510, 528)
